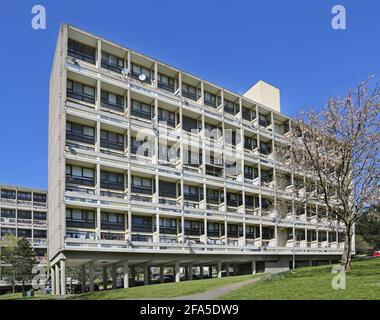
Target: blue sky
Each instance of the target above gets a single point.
(289, 44)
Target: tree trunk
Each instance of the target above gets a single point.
(346, 257)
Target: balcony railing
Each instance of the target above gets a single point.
(81, 56)
(111, 145)
(80, 180)
(192, 231)
(111, 105)
(74, 223)
(80, 138)
(168, 230)
(189, 95)
(113, 67)
(111, 185)
(141, 114)
(81, 96)
(165, 86)
(210, 103)
(107, 225)
(142, 228)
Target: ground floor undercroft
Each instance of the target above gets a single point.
(105, 270)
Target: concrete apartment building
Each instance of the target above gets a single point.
(23, 214)
(127, 190)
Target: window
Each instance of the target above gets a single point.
(8, 232)
(141, 110)
(8, 213)
(209, 99)
(112, 62)
(142, 224)
(267, 233)
(250, 143)
(39, 197)
(80, 218)
(142, 185)
(81, 51)
(112, 221)
(231, 107)
(24, 196)
(79, 175)
(146, 150)
(24, 214)
(111, 180)
(165, 82)
(192, 228)
(191, 193)
(189, 124)
(111, 140)
(248, 114)
(166, 116)
(189, 91)
(39, 215)
(137, 70)
(80, 91)
(112, 101)
(8, 194)
(213, 196)
(24, 233)
(80, 133)
(167, 189)
(40, 234)
(263, 121)
(300, 235)
(212, 132)
(168, 226)
(234, 199)
(264, 148)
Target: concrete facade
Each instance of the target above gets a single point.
(118, 201)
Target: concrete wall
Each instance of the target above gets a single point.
(56, 165)
(265, 94)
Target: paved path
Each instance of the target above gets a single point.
(215, 293)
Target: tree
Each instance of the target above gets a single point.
(368, 227)
(19, 261)
(338, 148)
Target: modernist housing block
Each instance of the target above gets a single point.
(23, 214)
(150, 166)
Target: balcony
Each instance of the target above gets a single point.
(80, 180)
(107, 225)
(111, 145)
(189, 95)
(141, 114)
(142, 189)
(213, 233)
(168, 230)
(104, 184)
(110, 66)
(80, 138)
(76, 223)
(112, 105)
(142, 228)
(81, 51)
(81, 96)
(192, 231)
(165, 86)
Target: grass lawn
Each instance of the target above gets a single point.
(165, 290)
(363, 282)
(18, 296)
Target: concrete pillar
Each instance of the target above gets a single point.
(133, 276)
(201, 272)
(146, 274)
(162, 273)
(310, 263)
(83, 278)
(176, 272)
(210, 271)
(190, 272)
(63, 277)
(114, 277)
(52, 280)
(56, 279)
(186, 272)
(253, 267)
(219, 269)
(105, 278)
(91, 274)
(228, 269)
(126, 275)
